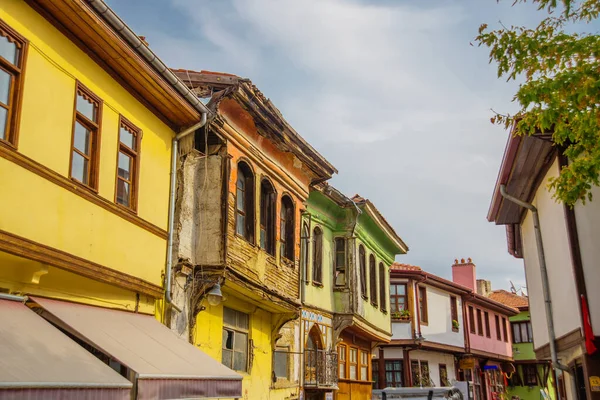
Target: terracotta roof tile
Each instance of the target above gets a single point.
(404, 267)
(509, 299)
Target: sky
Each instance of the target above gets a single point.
(392, 92)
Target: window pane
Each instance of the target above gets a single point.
(364, 373)
(516, 333)
(5, 82)
(364, 357)
(353, 372)
(3, 118)
(81, 141)
(241, 342)
(242, 320)
(240, 225)
(79, 168)
(280, 361)
(239, 361)
(127, 138)
(86, 108)
(240, 199)
(226, 358)
(353, 355)
(523, 332)
(529, 331)
(229, 316)
(393, 289)
(8, 50)
(125, 166)
(340, 278)
(401, 289)
(227, 339)
(342, 371)
(123, 195)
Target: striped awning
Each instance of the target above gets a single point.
(37, 361)
(166, 365)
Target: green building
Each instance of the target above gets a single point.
(532, 379)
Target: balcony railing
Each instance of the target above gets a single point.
(320, 369)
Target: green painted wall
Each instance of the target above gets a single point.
(525, 352)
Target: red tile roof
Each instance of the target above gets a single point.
(510, 299)
(404, 267)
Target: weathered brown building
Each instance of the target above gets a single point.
(243, 183)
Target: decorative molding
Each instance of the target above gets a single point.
(54, 177)
(31, 250)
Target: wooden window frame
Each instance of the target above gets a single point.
(135, 154)
(246, 331)
(286, 236)
(382, 288)
(498, 328)
(528, 330)
(479, 322)
(362, 352)
(504, 329)
(268, 201)
(350, 363)
(486, 321)
(317, 256)
(395, 297)
(362, 261)
(422, 302)
(393, 371)
(343, 360)
(373, 280)
(247, 210)
(339, 269)
(454, 311)
(472, 320)
(530, 370)
(95, 141)
(15, 94)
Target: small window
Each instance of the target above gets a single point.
(373, 280)
(504, 329)
(530, 375)
(128, 165)
(235, 340)
(522, 332)
(317, 270)
(281, 362)
(479, 323)
(397, 297)
(425, 378)
(13, 48)
(394, 372)
(486, 318)
(267, 217)
(287, 226)
(415, 372)
(375, 374)
(340, 262)
(342, 363)
(364, 365)
(471, 320)
(423, 304)
(304, 238)
(454, 311)
(86, 137)
(353, 362)
(244, 209)
(444, 375)
(382, 287)
(498, 332)
(362, 259)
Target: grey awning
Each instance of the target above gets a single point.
(37, 361)
(167, 366)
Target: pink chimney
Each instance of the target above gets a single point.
(463, 273)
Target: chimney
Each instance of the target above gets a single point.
(463, 273)
(484, 287)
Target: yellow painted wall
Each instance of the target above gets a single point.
(208, 337)
(43, 212)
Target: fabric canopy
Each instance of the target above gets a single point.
(37, 361)
(166, 365)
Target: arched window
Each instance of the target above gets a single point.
(267, 216)
(339, 278)
(317, 270)
(304, 237)
(244, 210)
(362, 260)
(287, 227)
(382, 286)
(373, 280)
(312, 350)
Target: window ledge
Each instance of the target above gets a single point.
(245, 240)
(341, 289)
(402, 321)
(455, 329)
(8, 144)
(86, 187)
(425, 323)
(317, 284)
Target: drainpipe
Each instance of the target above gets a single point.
(558, 367)
(13, 297)
(174, 154)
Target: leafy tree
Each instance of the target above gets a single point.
(561, 90)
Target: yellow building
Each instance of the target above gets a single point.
(243, 188)
(88, 118)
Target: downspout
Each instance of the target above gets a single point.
(172, 190)
(558, 367)
(353, 299)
